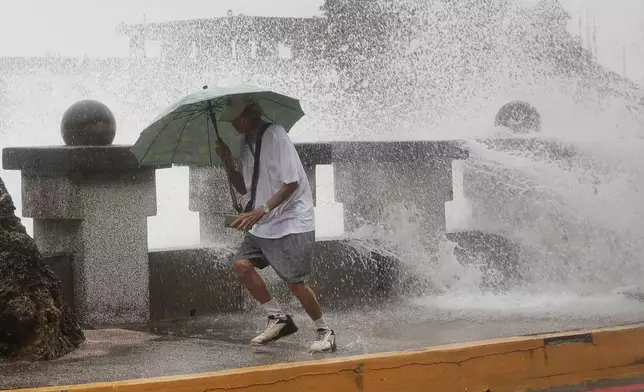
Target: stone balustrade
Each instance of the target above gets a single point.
(92, 203)
(368, 177)
(209, 194)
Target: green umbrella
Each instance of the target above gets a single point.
(186, 132)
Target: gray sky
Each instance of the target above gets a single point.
(87, 27)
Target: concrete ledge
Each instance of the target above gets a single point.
(201, 281)
(188, 282)
(72, 158)
(397, 152)
(500, 365)
(312, 154)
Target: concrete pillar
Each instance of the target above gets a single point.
(311, 176)
(397, 183)
(91, 200)
(502, 197)
(101, 219)
(505, 201)
(210, 197)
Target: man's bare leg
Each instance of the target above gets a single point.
(252, 281)
(279, 324)
(307, 298)
(325, 338)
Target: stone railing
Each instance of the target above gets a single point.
(368, 175)
(92, 202)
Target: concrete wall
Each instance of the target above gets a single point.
(192, 282)
(498, 257)
(61, 265)
(201, 281)
(349, 274)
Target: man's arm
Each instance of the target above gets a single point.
(235, 177)
(285, 191)
(248, 219)
(283, 167)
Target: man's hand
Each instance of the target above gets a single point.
(247, 220)
(222, 149)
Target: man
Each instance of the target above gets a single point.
(282, 228)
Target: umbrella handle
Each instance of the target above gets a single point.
(213, 119)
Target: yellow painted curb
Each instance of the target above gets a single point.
(500, 365)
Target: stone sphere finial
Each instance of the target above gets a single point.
(88, 123)
(519, 116)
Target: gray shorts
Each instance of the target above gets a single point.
(290, 256)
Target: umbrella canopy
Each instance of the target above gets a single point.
(186, 132)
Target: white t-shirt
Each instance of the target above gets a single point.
(279, 164)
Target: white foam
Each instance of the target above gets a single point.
(533, 304)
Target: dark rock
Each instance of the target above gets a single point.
(88, 123)
(35, 322)
(519, 116)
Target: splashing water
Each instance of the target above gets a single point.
(569, 196)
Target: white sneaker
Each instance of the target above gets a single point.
(324, 342)
(276, 328)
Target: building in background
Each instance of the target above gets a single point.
(231, 38)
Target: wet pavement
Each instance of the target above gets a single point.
(222, 342)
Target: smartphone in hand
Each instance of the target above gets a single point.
(229, 219)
